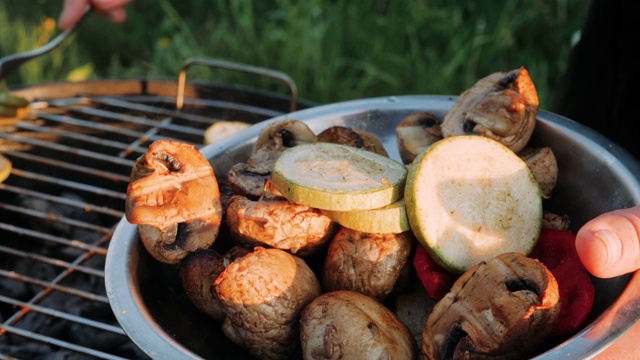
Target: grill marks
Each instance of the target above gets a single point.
(72, 157)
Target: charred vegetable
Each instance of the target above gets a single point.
(262, 295)
(367, 263)
(248, 178)
(544, 167)
(174, 198)
(501, 308)
(353, 137)
(350, 325)
(556, 249)
(197, 273)
(274, 221)
(502, 106)
(416, 133)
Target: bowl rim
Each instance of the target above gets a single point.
(131, 314)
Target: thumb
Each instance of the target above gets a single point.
(609, 245)
(72, 12)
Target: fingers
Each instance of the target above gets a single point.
(609, 245)
(73, 9)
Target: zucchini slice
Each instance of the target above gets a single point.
(337, 177)
(470, 198)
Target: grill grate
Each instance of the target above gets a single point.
(59, 208)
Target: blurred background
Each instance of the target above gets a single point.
(335, 50)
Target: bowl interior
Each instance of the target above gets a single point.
(595, 176)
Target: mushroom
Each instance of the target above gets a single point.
(350, 325)
(358, 138)
(174, 198)
(367, 263)
(555, 221)
(416, 133)
(274, 221)
(501, 308)
(248, 178)
(502, 106)
(262, 295)
(197, 273)
(542, 163)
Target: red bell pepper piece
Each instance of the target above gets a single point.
(436, 281)
(556, 250)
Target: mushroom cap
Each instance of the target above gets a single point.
(262, 295)
(500, 308)
(543, 165)
(367, 263)
(502, 106)
(174, 198)
(350, 325)
(279, 223)
(416, 133)
(358, 138)
(248, 178)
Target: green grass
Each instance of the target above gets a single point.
(335, 50)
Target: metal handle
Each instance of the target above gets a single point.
(8, 63)
(182, 77)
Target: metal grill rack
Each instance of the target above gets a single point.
(59, 207)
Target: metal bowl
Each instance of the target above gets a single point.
(596, 176)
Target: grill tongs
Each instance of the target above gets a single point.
(9, 63)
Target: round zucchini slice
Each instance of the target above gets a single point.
(470, 198)
(337, 177)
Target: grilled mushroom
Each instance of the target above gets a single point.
(367, 263)
(502, 106)
(416, 133)
(350, 325)
(199, 270)
(262, 295)
(174, 198)
(543, 165)
(274, 221)
(555, 221)
(501, 308)
(248, 178)
(358, 138)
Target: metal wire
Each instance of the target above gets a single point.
(58, 210)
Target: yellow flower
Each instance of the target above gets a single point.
(49, 24)
(164, 42)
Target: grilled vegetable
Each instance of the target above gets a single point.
(501, 308)
(353, 137)
(349, 325)
(223, 129)
(174, 198)
(338, 177)
(262, 295)
(469, 198)
(416, 133)
(248, 178)
(544, 167)
(435, 280)
(388, 219)
(5, 168)
(502, 106)
(556, 249)
(274, 221)
(370, 264)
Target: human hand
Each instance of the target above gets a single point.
(609, 245)
(73, 10)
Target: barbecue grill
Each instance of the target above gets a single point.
(71, 157)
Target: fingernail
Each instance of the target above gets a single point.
(612, 244)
